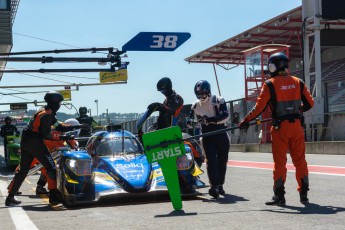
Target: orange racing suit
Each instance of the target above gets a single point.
(288, 97)
(32, 146)
(52, 146)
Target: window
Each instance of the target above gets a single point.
(5, 4)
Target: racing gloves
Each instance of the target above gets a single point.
(202, 120)
(67, 136)
(155, 106)
(244, 124)
(189, 123)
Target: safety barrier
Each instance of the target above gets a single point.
(324, 147)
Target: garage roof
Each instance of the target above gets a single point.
(283, 29)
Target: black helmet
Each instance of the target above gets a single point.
(202, 87)
(8, 119)
(83, 110)
(164, 85)
(53, 100)
(277, 62)
(53, 97)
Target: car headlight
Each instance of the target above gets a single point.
(79, 167)
(184, 162)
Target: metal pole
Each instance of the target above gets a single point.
(62, 85)
(108, 121)
(317, 50)
(96, 101)
(215, 73)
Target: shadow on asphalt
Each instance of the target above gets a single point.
(177, 213)
(120, 200)
(310, 208)
(226, 199)
(130, 199)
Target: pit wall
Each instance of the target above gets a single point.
(325, 147)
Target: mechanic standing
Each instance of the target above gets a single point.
(32, 146)
(85, 119)
(168, 115)
(171, 107)
(288, 98)
(8, 130)
(212, 114)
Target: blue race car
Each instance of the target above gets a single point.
(114, 162)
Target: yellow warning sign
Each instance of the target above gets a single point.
(67, 96)
(119, 75)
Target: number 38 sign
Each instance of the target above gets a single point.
(156, 41)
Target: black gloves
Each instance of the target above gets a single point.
(244, 124)
(67, 136)
(155, 106)
(202, 120)
(189, 123)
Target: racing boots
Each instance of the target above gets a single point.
(40, 190)
(214, 191)
(303, 193)
(278, 199)
(55, 197)
(12, 201)
(221, 190)
(303, 197)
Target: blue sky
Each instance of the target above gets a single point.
(64, 24)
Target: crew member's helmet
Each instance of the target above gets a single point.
(53, 100)
(82, 110)
(277, 62)
(8, 120)
(202, 90)
(164, 85)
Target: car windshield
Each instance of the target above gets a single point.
(118, 146)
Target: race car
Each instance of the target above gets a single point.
(114, 162)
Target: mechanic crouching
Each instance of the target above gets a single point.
(32, 146)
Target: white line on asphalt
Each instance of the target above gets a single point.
(19, 217)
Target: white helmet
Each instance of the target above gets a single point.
(73, 121)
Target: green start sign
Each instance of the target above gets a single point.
(164, 146)
(166, 153)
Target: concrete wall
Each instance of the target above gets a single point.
(325, 147)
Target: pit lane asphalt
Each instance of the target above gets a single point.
(241, 208)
